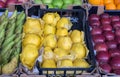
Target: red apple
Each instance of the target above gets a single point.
(114, 52)
(105, 21)
(103, 57)
(10, 2)
(117, 32)
(23, 1)
(104, 15)
(105, 67)
(115, 18)
(117, 71)
(95, 23)
(2, 4)
(96, 31)
(112, 44)
(101, 47)
(98, 38)
(116, 25)
(93, 17)
(109, 35)
(118, 39)
(107, 27)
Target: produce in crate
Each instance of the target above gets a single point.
(50, 41)
(49, 29)
(57, 3)
(79, 50)
(48, 53)
(64, 46)
(106, 41)
(10, 43)
(2, 4)
(60, 4)
(59, 53)
(61, 32)
(51, 18)
(32, 42)
(109, 4)
(64, 42)
(49, 64)
(7, 3)
(64, 23)
(29, 55)
(54, 37)
(65, 63)
(77, 36)
(81, 63)
(29, 28)
(31, 39)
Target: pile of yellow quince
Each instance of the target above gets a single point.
(63, 47)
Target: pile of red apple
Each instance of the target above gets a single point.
(5, 3)
(105, 31)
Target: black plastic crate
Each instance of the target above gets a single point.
(94, 10)
(32, 10)
(77, 17)
(2, 9)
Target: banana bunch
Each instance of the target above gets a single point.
(10, 43)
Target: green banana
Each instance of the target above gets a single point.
(18, 44)
(21, 19)
(2, 36)
(8, 40)
(19, 28)
(16, 52)
(18, 38)
(5, 15)
(10, 31)
(11, 22)
(6, 48)
(6, 57)
(2, 33)
(14, 14)
(19, 15)
(3, 24)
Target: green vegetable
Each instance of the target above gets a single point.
(6, 51)
(2, 36)
(5, 15)
(11, 30)
(14, 14)
(37, 1)
(47, 1)
(69, 2)
(57, 3)
(8, 40)
(11, 66)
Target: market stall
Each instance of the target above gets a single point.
(59, 38)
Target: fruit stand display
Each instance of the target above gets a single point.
(10, 29)
(60, 41)
(59, 4)
(56, 43)
(104, 29)
(109, 4)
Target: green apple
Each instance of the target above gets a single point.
(50, 6)
(78, 2)
(57, 3)
(47, 1)
(37, 1)
(68, 1)
(65, 6)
